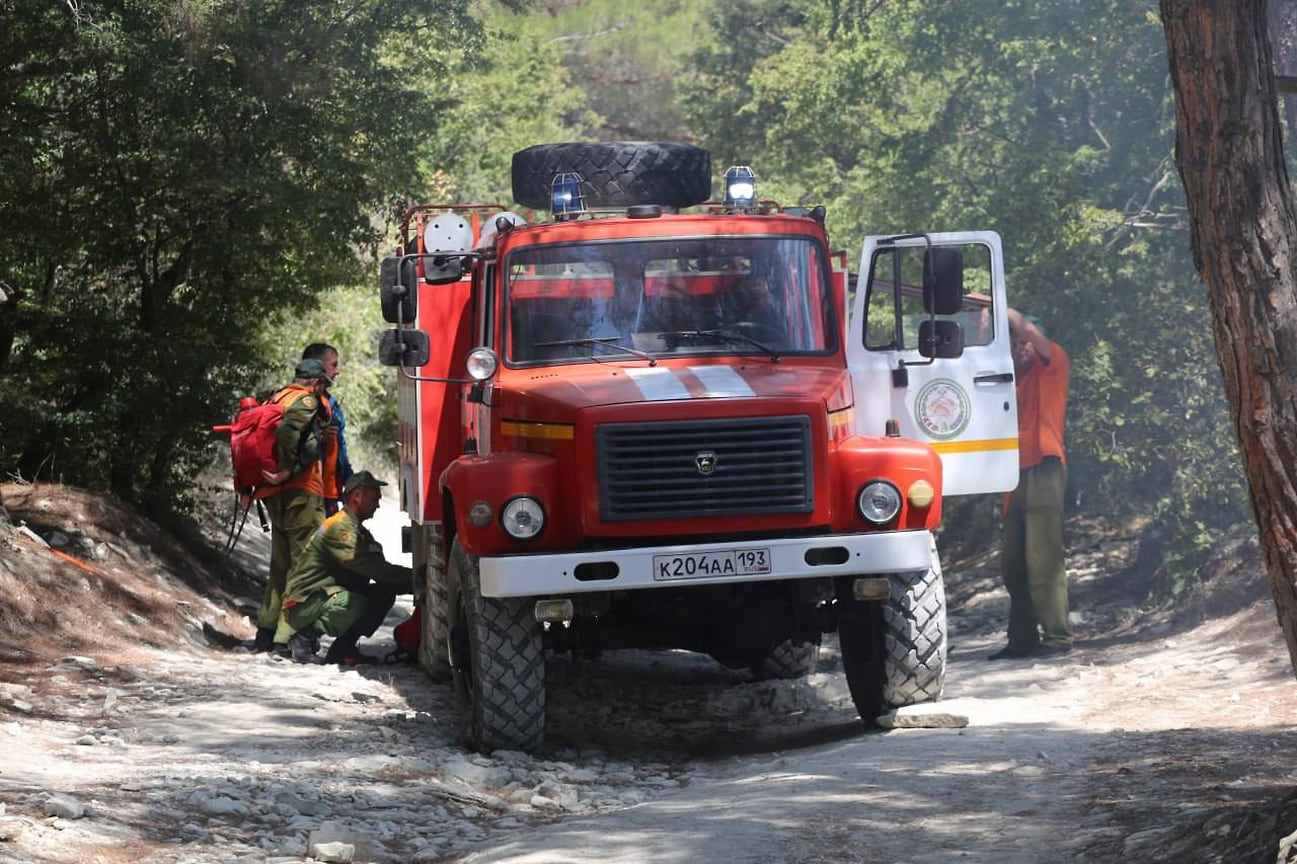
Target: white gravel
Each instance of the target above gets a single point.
(193, 755)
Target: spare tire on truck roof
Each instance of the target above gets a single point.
(616, 173)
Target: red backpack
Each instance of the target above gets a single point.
(252, 441)
(252, 450)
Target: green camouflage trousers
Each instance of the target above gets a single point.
(1032, 561)
(294, 517)
(333, 614)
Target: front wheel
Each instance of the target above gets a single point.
(894, 650)
(504, 672)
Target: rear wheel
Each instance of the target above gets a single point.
(615, 173)
(894, 650)
(504, 670)
(788, 660)
(434, 633)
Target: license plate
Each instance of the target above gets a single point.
(703, 565)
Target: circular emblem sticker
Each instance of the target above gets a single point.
(942, 409)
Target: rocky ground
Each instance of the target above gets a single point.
(128, 736)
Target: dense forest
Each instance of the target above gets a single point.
(190, 192)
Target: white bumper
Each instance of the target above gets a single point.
(705, 564)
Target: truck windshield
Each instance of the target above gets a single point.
(668, 297)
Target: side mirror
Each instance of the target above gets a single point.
(943, 339)
(442, 271)
(396, 289)
(943, 281)
(403, 348)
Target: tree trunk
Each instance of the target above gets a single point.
(1230, 154)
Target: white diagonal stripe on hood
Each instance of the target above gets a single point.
(658, 384)
(721, 381)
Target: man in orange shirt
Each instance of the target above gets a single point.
(1032, 560)
(335, 466)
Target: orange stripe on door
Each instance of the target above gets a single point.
(984, 445)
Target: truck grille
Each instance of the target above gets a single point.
(704, 468)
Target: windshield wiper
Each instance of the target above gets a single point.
(606, 342)
(728, 335)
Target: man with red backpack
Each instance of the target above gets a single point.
(293, 494)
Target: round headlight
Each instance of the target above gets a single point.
(878, 502)
(522, 518)
(481, 364)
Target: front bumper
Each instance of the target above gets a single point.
(666, 566)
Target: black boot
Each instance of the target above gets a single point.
(344, 650)
(264, 640)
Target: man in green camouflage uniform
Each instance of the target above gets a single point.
(294, 494)
(342, 585)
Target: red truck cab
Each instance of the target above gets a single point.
(637, 428)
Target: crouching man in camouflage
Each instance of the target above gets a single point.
(341, 585)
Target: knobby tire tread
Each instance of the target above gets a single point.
(914, 639)
(615, 173)
(434, 633)
(507, 665)
(788, 660)
(894, 651)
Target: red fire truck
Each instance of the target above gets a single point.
(644, 421)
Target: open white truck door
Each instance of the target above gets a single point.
(928, 346)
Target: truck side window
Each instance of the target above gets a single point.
(894, 308)
(890, 303)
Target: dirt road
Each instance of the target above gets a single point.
(1151, 742)
(1114, 755)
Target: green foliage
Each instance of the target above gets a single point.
(1050, 124)
(717, 85)
(349, 319)
(178, 174)
(184, 187)
(622, 58)
(510, 94)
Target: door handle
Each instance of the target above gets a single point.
(993, 378)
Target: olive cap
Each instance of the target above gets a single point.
(312, 369)
(361, 479)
